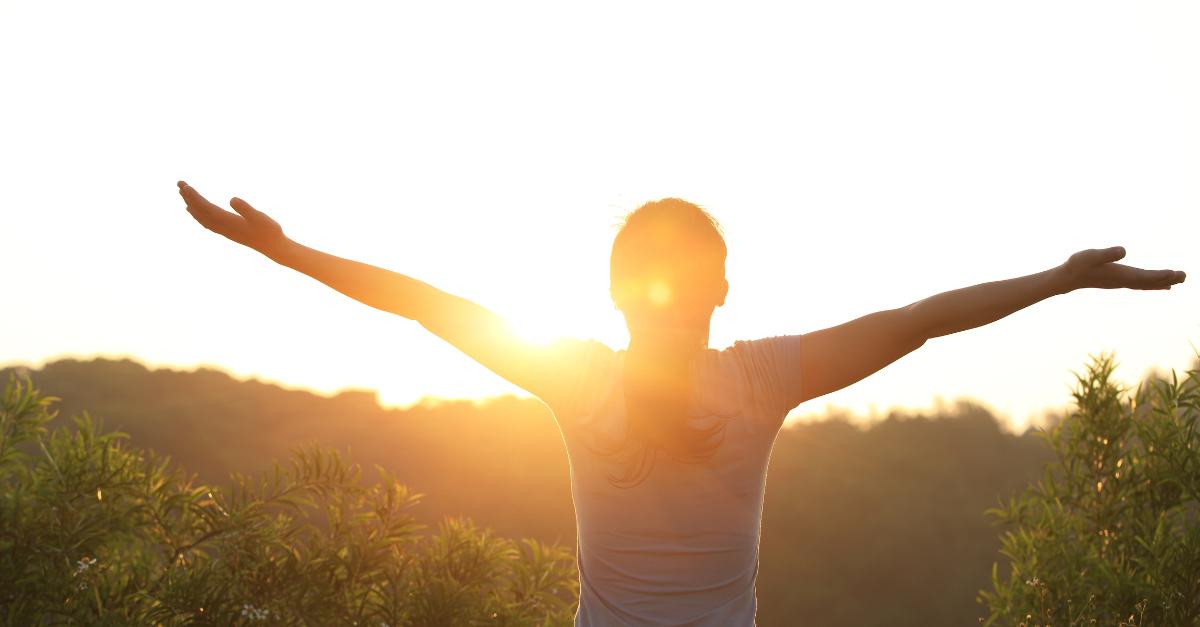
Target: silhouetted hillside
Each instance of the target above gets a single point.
(471, 459)
(862, 526)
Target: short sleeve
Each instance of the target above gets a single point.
(769, 373)
(571, 374)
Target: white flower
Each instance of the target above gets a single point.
(253, 613)
(83, 564)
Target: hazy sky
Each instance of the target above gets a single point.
(860, 155)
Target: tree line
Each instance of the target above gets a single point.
(879, 524)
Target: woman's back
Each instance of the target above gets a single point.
(680, 545)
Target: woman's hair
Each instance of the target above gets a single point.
(668, 260)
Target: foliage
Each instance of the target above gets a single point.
(95, 532)
(1111, 534)
(885, 525)
(882, 522)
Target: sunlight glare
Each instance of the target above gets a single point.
(660, 293)
(438, 148)
(538, 326)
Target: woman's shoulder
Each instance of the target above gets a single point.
(762, 373)
(581, 369)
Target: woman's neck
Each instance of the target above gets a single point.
(681, 344)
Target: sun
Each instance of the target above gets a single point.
(540, 326)
(543, 325)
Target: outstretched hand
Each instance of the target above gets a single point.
(1097, 267)
(248, 227)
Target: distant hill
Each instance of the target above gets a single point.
(468, 458)
(862, 526)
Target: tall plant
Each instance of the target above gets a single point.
(1111, 534)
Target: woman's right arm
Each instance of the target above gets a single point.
(475, 330)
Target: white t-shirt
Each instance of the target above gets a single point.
(681, 547)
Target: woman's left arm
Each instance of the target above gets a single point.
(975, 306)
(831, 359)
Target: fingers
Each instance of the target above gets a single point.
(1116, 275)
(1163, 278)
(198, 205)
(206, 213)
(197, 202)
(1157, 279)
(190, 195)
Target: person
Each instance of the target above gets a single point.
(669, 440)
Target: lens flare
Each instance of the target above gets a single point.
(659, 293)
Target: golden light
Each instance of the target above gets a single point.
(533, 331)
(541, 325)
(734, 151)
(659, 293)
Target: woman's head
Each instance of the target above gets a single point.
(667, 270)
(667, 274)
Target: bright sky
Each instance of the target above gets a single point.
(860, 155)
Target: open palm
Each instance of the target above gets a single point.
(1098, 268)
(248, 227)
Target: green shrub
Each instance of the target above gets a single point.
(95, 532)
(1111, 535)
